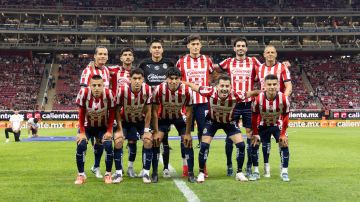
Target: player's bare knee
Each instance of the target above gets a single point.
(147, 142)
(206, 139)
(118, 142)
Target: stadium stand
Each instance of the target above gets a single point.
(21, 81)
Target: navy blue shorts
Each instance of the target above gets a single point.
(34, 130)
(243, 110)
(133, 131)
(95, 132)
(199, 116)
(180, 125)
(265, 133)
(212, 126)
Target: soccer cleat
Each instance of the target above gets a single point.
(206, 172)
(130, 172)
(80, 179)
(248, 171)
(141, 174)
(201, 177)
(267, 171)
(191, 177)
(230, 171)
(107, 178)
(166, 173)
(117, 178)
(146, 179)
(285, 177)
(185, 171)
(97, 172)
(241, 177)
(254, 176)
(154, 178)
(7, 140)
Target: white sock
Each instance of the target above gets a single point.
(184, 162)
(131, 164)
(284, 170)
(146, 172)
(267, 165)
(108, 173)
(119, 172)
(82, 174)
(256, 169)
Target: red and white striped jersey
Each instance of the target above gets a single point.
(133, 103)
(242, 73)
(96, 108)
(221, 110)
(89, 72)
(270, 110)
(118, 77)
(196, 70)
(172, 102)
(280, 70)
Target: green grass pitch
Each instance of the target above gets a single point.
(324, 166)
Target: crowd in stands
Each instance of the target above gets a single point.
(335, 80)
(20, 81)
(190, 4)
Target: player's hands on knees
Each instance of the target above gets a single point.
(80, 137)
(156, 140)
(187, 140)
(255, 140)
(283, 141)
(107, 136)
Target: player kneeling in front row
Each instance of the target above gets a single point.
(170, 97)
(133, 119)
(96, 117)
(270, 105)
(222, 101)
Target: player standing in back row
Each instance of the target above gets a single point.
(155, 68)
(196, 68)
(97, 68)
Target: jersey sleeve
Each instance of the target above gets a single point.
(285, 74)
(120, 96)
(189, 97)
(149, 92)
(255, 105)
(156, 95)
(224, 65)
(286, 108)
(210, 65)
(206, 91)
(110, 98)
(81, 97)
(84, 78)
(240, 96)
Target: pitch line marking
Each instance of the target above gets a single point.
(181, 185)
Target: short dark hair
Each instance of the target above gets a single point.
(15, 109)
(240, 39)
(36, 120)
(156, 41)
(126, 49)
(271, 77)
(96, 77)
(98, 47)
(223, 77)
(193, 38)
(173, 71)
(137, 71)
